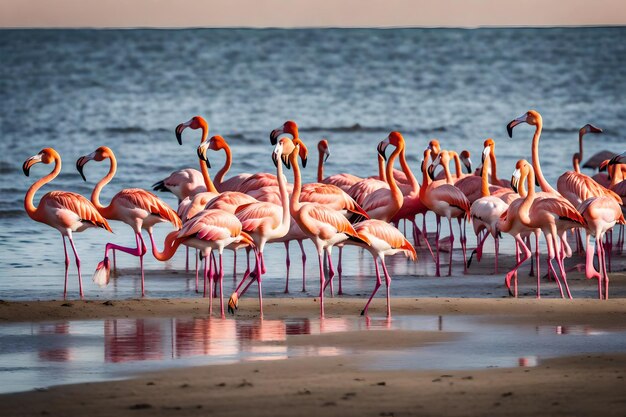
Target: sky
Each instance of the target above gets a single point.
(314, 13)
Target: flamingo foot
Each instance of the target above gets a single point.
(103, 273)
(233, 303)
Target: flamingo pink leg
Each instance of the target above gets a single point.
(80, 278)
(322, 282)
(187, 259)
(537, 264)
(463, 240)
(303, 265)
(210, 276)
(425, 236)
(559, 260)
(590, 271)
(526, 254)
(205, 276)
(197, 267)
(437, 270)
(339, 269)
(221, 277)
(259, 280)
(451, 247)
(331, 274)
(67, 266)
(288, 264)
(214, 273)
(496, 243)
(603, 269)
(388, 286)
(378, 283)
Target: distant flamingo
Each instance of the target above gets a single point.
(137, 208)
(486, 211)
(601, 214)
(445, 200)
(65, 211)
(264, 222)
(551, 215)
(343, 181)
(324, 226)
(384, 240)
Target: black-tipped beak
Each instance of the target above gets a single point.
(26, 167)
(326, 157)
(179, 133)
(304, 161)
(274, 136)
(286, 161)
(468, 165)
(202, 156)
(431, 171)
(80, 163)
(382, 146)
(593, 129)
(513, 123)
(275, 159)
(514, 184)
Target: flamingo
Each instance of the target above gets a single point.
(551, 215)
(208, 230)
(324, 226)
(137, 208)
(486, 211)
(600, 214)
(462, 158)
(384, 240)
(343, 181)
(65, 211)
(445, 200)
(182, 183)
(264, 222)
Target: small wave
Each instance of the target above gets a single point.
(125, 130)
(560, 129)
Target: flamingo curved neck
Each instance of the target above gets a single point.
(524, 209)
(393, 186)
(381, 169)
(576, 163)
(425, 177)
(320, 167)
(457, 164)
(95, 195)
(494, 168)
(284, 195)
(580, 147)
(446, 171)
(545, 186)
(294, 203)
(407, 171)
(171, 244)
(29, 205)
(219, 177)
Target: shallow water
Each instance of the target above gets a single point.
(37, 355)
(78, 89)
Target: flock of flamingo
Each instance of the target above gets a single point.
(248, 211)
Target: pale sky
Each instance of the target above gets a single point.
(314, 13)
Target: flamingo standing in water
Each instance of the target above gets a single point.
(445, 200)
(65, 211)
(137, 208)
(486, 211)
(385, 240)
(324, 226)
(551, 215)
(264, 222)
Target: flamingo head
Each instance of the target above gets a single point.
(46, 155)
(98, 155)
(284, 147)
(434, 147)
(484, 155)
(288, 128)
(323, 149)
(202, 153)
(520, 174)
(394, 138)
(603, 165)
(442, 159)
(303, 151)
(589, 128)
(196, 122)
(532, 117)
(467, 162)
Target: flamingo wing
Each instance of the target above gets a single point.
(229, 201)
(343, 181)
(329, 222)
(384, 231)
(145, 200)
(253, 216)
(77, 204)
(331, 196)
(451, 195)
(559, 207)
(211, 225)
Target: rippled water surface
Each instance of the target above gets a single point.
(78, 89)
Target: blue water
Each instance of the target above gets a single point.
(77, 89)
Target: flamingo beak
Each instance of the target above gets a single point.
(304, 161)
(179, 131)
(468, 165)
(485, 154)
(275, 134)
(202, 154)
(29, 163)
(589, 128)
(80, 163)
(513, 123)
(515, 180)
(327, 154)
(382, 146)
(431, 171)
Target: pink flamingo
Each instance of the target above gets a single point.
(486, 211)
(551, 215)
(137, 208)
(343, 181)
(264, 222)
(182, 183)
(445, 200)
(601, 214)
(65, 211)
(324, 226)
(385, 240)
